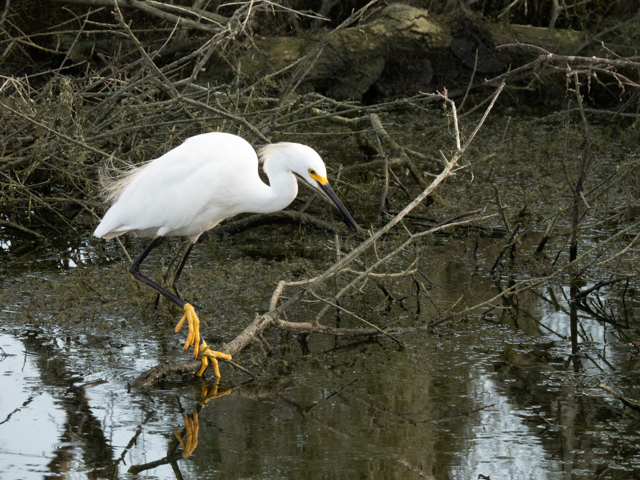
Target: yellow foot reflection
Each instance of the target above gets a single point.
(207, 393)
(192, 426)
(193, 338)
(207, 355)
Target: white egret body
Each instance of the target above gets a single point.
(192, 188)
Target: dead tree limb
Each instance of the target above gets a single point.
(548, 57)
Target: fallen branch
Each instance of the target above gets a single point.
(548, 57)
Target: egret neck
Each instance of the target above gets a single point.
(282, 188)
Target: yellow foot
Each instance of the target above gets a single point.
(193, 338)
(207, 355)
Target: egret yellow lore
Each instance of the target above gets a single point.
(192, 188)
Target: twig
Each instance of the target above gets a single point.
(152, 9)
(546, 56)
(61, 135)
(584, 293)
(473, 74)
(501, 210)
(366, 322)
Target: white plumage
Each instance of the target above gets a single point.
(208, 178)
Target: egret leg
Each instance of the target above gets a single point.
(193, 337)
(176, 275)
(134, 269)
(171, 269)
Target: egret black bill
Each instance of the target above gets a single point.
(348, 219)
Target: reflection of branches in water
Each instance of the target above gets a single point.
(134, 439)
(170, 459)
(524, 285)
(634, 404)
(16, 410)
(595, 310)
(580, 302)
(80, 422)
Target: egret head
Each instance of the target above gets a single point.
(305, 162)
(310, 166)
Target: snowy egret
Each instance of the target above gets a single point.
(192, 188)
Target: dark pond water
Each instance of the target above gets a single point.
(504, 395)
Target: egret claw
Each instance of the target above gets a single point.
(207, 355)
(193, 337)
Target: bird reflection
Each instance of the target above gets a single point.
(190, 441)
(188, 438)
(207, 393)
(192, 427)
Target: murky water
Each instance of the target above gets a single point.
(504, 395)
(472, 399)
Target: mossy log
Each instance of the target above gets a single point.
(394, 53)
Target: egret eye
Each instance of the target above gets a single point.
(312, 171)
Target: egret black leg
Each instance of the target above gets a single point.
(135, 272)
(193, 338)
(183, 260)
